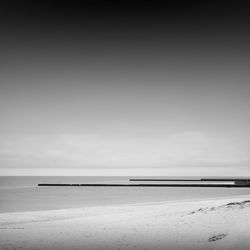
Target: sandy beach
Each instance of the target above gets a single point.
(221, 223)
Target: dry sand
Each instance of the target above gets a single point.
(213, 224)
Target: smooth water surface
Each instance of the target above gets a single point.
(22, 193)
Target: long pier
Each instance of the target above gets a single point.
(198, 182)
(145, 185)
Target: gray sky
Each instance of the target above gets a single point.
(157, 100)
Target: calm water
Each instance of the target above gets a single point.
(23, 194)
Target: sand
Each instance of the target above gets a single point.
(222, 223)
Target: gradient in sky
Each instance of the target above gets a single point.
(125, 89)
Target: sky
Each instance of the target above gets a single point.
(125, 89)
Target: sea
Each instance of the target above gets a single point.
(22, 193)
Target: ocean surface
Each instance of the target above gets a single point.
(18, 194)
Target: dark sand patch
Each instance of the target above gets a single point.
(217, 237)
(231, 205)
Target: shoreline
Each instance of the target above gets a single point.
(35, 199)
(145, 204)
